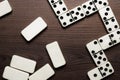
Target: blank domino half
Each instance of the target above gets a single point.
(5, 8)
(34, 29)
(55, 54)
(23, 64)
(43, 73)
(14, 74)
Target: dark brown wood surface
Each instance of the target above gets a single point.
(72, 40)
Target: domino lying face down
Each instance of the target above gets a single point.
(33, 29)
(20, 68)
(5, 8)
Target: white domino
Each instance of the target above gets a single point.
(5, 8)
(34, 29)
(96, 52)
(101, 72)
(55, 54)
(43, 73)
(14, 74)
(58, 6)
(23, 64)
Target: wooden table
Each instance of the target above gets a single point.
(72, 40)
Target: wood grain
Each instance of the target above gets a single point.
(72, 40)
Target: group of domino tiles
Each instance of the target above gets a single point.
(96, 47)
(68, 17)
(20, 68)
